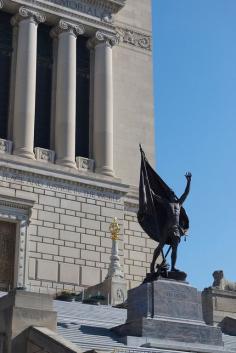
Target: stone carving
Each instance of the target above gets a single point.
(5, 146)
(96, 8)
(1, 4)
(24, 13)
(85, 164)
(107, 17)
(109, 38)
(68, 9)
(63, 25)
(136, 39)
(76, 187)
(44, 155)
(120, 295)
(221, 283)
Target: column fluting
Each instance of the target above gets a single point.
(25, 82)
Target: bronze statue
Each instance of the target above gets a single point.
(161, 214)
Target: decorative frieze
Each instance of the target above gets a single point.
(44, 155)
(97, 8)
(85, 164)
(134, 38)
(58, 184)
(5, 146)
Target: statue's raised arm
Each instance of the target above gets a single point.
(188, 176)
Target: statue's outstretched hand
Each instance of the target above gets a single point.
(188, 176)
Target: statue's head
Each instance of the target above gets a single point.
(218, 275)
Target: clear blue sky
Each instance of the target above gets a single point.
(195, 113)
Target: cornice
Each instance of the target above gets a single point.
(98, 18)
(56, 176)
(94, 15)
(113, 5)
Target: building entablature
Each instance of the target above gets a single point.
(93, 14)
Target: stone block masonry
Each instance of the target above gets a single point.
(68, 238)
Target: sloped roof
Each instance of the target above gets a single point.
(89, 326)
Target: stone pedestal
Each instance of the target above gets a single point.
(114, 289)
(170, 311)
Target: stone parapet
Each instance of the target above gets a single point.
(217, 304)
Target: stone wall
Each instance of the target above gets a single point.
(68, 239)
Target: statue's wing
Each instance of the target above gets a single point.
(152, 190)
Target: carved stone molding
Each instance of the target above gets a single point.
(74, 10)
(5, 146)
(44, 155)
(25, 13)
(110, 39)
(135, 39)
(113, 5)
(85, 164)
(18, 211)
(66, 26)
(62, 183)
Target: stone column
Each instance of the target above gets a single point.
(65, 105)
(25, 82)
(103, 103)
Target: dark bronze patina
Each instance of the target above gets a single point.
(162, 216)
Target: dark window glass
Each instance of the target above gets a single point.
(82, 98)
(5, 69)
(43, 88)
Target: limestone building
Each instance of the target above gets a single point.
(75, 101)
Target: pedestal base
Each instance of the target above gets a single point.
(168, 310)
(173, 330)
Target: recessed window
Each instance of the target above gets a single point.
(5, 69)
(43, 87)
(82, 97)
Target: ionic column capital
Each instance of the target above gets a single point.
(65, 26)
(26, 13)
(102, 37)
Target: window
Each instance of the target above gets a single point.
(82, 98)
(5, 69)
(43, 87)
